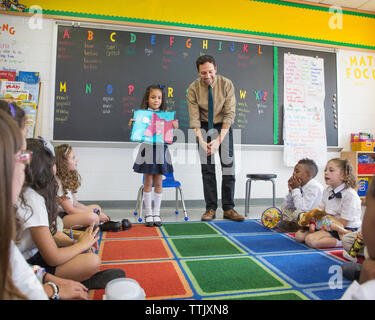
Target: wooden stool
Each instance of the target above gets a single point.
(260, 176)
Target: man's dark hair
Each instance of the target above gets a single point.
(310, 165)
(205, 58)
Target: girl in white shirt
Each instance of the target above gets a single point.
(339, 200)
(17, 281)
(73, 213)
(38, 212)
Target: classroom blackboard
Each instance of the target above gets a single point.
(101, 76)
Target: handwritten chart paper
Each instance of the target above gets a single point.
(304, 122)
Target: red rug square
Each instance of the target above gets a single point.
(135, 249)
(136, 231)
(159, 279)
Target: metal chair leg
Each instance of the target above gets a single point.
(176, 212)
(141, 207)
(274, 191)
(137, 205)
(183, 204)
(247, 197)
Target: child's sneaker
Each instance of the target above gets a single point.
(149, 220)
(349, 257)
(157, 221)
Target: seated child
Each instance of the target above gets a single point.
(37, 212)
(365, 287)
(339, 200)
(305, 194)
(75, 214)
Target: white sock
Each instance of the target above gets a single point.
(157, 203)
(338, 243)
(147, 198)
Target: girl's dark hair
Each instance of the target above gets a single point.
(15, 111)
(40, 177)
(348, 170)
(203, 59)
(163, 106)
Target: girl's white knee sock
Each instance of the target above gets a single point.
(147, 198)
(157, 203)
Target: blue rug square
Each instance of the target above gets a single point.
(247, 226)
(326, 293)
(267, 243)
(305, 269)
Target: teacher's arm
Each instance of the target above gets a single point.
(194, 114)
(229, 113)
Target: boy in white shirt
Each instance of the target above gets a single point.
(305, 194)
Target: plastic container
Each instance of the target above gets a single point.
(366, 168)
(363, 145)
(124, 289)
(363, 186)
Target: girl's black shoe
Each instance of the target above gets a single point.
(114, 226)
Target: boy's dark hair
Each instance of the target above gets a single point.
(144, 105)
(371, 188)
(203, 59)
(310, 165)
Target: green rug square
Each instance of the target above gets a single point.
(204, 247)
(231, 275)
(188, 229)
(283, 295)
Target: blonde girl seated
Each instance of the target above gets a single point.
(339, 200)
(73, 213)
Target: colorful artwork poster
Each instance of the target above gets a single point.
(154, 127)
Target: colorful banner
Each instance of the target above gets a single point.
(330, 25)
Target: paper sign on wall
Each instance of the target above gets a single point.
(304, 116)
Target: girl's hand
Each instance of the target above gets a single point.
(175, 124)
(359, 235)
(103, 217)
(70, 289)
(131, 122)
(88, 238)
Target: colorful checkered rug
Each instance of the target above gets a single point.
(222, 260)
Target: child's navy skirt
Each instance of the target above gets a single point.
(153, 159)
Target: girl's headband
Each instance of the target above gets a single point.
(12, 111)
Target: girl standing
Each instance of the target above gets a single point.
(153, 160)
(339, 200)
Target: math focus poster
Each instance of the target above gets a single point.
(304, 115)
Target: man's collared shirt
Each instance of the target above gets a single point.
(224, 101)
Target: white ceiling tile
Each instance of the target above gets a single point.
(369, 5)
(345, 3)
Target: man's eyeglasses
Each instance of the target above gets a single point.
(25, 157)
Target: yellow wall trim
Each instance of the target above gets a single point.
(264, 18)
